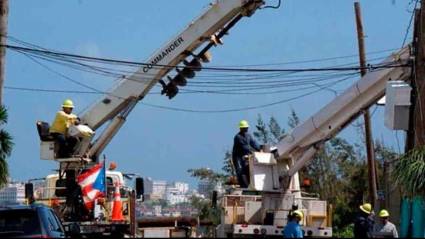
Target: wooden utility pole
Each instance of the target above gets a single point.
(4, 11)
(410, 133)
(419, 79)
(368, 130)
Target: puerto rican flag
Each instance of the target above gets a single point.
(92, 183)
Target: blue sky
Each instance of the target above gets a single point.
(163, 144)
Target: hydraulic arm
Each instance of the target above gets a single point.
(299, 147)
(208, 28)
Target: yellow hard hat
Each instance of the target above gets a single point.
(366, 207)
(298, 213)
(384, 213)
(68, 104)
(243, 124)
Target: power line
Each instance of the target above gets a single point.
(63, 76)
(248, 65)
(260, 85)
(410, 24)
(51, 90)
(236, 88)
(315, 60)
(25, 49)
(234, 109)
(185, 91)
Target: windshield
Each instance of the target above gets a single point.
(19, 222)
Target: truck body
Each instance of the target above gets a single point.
(54, 195)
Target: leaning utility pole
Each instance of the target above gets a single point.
(4, 10)
(368, 130)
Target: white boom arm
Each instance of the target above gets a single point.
(302, 143)
(207, 28)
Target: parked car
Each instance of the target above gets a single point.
(29, 221)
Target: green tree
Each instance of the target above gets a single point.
(276, 131)
(293, 120)
(6, 145)
(262, 133)
(205, 211)
(227, 165)
(204, 205)
(409, 172)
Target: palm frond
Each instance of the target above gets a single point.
(3, 115)
(4, 172)
(6, 144)
(409, 171)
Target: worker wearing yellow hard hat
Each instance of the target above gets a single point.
(366, 208)
(293, 228)
(364, 223)
(387, 227)
(59, 129)
(243, 145)
(243, 124)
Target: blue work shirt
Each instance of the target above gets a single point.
(242, 144)
(292, 230)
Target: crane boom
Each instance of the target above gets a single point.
(333, 117)
(209, 27)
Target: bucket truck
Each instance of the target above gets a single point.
(275, 188)
(185, 53)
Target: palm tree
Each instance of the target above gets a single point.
(5, 147)
(409, 172)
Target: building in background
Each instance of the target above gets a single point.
(13, 193)
(205, 188)
(158, 189)
(148, 187)
(176, 193)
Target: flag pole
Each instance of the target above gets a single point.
(106, 184)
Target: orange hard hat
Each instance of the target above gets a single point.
(112, 166)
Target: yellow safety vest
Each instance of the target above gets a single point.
(62, 122)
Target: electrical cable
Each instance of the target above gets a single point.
(273, 7)
(62, 75)
(263, 85)
(410, 24)
(73, 56)
(184, 91)
(234, 109)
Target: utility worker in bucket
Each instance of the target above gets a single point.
(59, 129)
(243, 145)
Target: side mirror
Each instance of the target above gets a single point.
(140, 187)
(29, 190)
